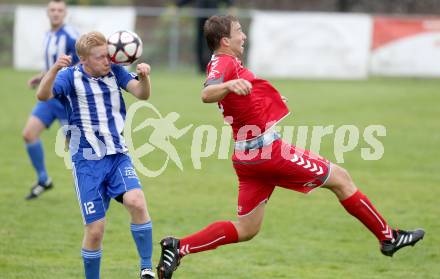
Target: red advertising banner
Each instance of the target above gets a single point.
(406, 46)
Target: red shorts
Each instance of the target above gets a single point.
(279, 164)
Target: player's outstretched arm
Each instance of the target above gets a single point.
(216, 92)
(141, 88)
(44, 91)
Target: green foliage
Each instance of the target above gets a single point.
(302, 236)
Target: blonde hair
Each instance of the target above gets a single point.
(87, 41)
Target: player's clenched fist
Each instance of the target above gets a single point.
(143, 69)
(63, 61)
(239, 86)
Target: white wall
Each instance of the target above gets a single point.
(406, 47)
(281, 44)
(343, 46)
(31, 23)
(310, 45)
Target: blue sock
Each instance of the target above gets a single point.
(36, 154)
(143, 237)
(92, 263)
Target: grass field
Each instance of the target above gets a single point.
(302, 236)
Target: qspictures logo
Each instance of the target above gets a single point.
(165, 130)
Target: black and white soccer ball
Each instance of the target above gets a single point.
(124, 47)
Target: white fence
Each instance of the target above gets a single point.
(281, 44)
(343, 46)
(31, 24)
(406, 47)
(310, 45)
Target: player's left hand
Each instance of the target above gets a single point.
(143, 70)
(285, 99)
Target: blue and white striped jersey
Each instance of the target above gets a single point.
(60, 42)
(95, 110)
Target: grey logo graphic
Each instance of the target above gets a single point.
(164, 128)
(208, 140)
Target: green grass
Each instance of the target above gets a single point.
(302, 236)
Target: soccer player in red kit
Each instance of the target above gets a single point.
(262, 160)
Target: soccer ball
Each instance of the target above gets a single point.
(124, 47)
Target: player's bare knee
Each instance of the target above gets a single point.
(29, 136)
(342, 173)
(343, 178)
(247, 231)
(95, 238)
(94, 234)
(250, 233)
(135, 202)
(341, 183)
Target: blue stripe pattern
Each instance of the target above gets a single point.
(92, 263)
(97, 110)
(46, 51)
(91, 254)
(90, 101)
(143, 237)
(141, 227)
(55, 55)
(122, 109)
(108, 110)
(92, 111)
(74, 115)
(53, 47)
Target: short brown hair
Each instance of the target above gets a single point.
(216, 28)
(89, 40)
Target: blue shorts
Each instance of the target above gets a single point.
(50, 110)
(98, 181)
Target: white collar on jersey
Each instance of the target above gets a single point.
(81, 68)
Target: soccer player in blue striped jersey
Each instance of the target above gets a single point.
(59, 40)
(102, 169)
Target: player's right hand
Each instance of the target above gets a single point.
(63, 61)
(239, 86)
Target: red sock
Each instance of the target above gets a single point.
(360, 207)
(214, 235)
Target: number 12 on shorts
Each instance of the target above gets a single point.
(89, 208)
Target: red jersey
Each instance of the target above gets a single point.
(254, 113)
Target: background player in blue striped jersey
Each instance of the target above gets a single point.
(59, 40)
(91, 92)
